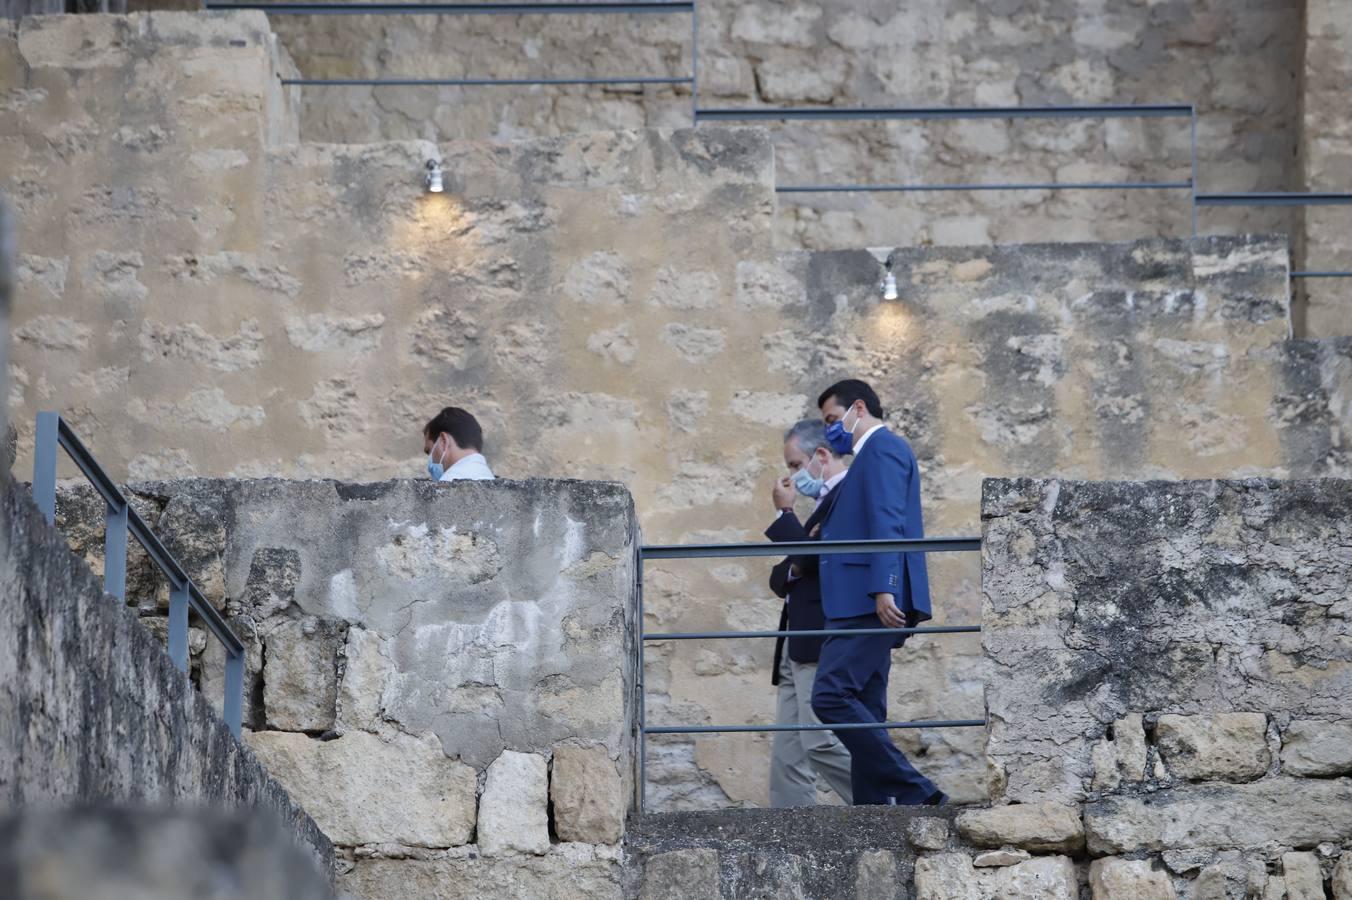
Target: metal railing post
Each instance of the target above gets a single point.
(115, 551)
(178, 625)
(1194, 171)
(234, 689)
(694, 63)
(46, 440)
(642, 691)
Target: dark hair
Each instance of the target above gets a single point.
(851, 391)
(460, 425)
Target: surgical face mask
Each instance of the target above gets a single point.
(434, 468)
(808, 485)
(839, 437)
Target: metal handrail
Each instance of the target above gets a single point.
(659, 7)
(784, 548)
(121, 519)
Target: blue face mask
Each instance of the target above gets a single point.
(839, 437)
(434, 468)
(807, 484)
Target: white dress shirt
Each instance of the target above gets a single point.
(470, 468)
(831, 483)
(864, 440)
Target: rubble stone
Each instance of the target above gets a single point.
(681, 875)
(994, 858)
(951, 876)
(512, 811)
(928, 833)
(1222, 746)
(1315, 748)
(1302, 876)
(1129, 879)
(364, 789)
(300, 673)
(587, 795)
(1039, 827)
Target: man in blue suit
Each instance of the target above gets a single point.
(879, 499)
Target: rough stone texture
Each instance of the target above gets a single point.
(587, 795)
(993, 858)
(825, 851)
(514, 816)
(117, 853)
(364, 789)
(1234, 604)
(1302, 877)
(681, 875)
(928, 833)
(92, 711)
(1311, 747)
(567, 872)
(1239, 62)
(1342, 877)
(951, 876)
(530, 292)
(1043, 827)
(1221, 747)
(1121, 755)
(1129, 879)
(300, 674)
(1282, 811)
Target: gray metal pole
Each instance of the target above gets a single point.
(46, 440)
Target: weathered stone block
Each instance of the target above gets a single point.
(1302, 876)
(951, 876)
(1129, 879)
(1342, 877)
(1040, 827)
(875, 875)
(1286, 811)
(928, 833)
(512, 812)
(366, 673)
(1121, 758)
(364, 789)
(1312, 747)
(995, 858)
(587, 795)
(1221, 746)
(567, 872)
(300, 673)
(681, 875)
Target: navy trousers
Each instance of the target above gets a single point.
(851, 686)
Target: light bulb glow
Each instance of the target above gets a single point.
(433, 179)
(889, 286)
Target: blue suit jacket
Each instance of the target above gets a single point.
(878, 500)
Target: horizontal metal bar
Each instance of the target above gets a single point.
(822, 632)
(457, 9)
(853, 726)
(1275, 198)
(1143, 111)
(1047, 186)
(1321, 274)
(810, 548)
(476, 82)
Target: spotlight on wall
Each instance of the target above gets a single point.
(889, 282)
(433, 177)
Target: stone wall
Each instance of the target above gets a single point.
(441, 674)
(92, 711)
(1171, 660)
(611, 307)
(1240, 63)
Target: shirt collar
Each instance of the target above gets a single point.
(864, 440)
(831, 483)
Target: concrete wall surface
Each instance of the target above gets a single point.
(442, 675)
(92, 711)
(111, 853)
(1173, 662)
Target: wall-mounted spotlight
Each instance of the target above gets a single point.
(888, 286)
(433, 177)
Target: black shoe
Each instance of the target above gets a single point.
(938, 798)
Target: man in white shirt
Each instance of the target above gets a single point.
(453, 442)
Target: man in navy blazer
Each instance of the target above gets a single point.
(879, 499)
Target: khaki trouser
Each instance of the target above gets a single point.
(796, 754)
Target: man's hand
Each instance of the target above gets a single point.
(888, 612)
(783, 493)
